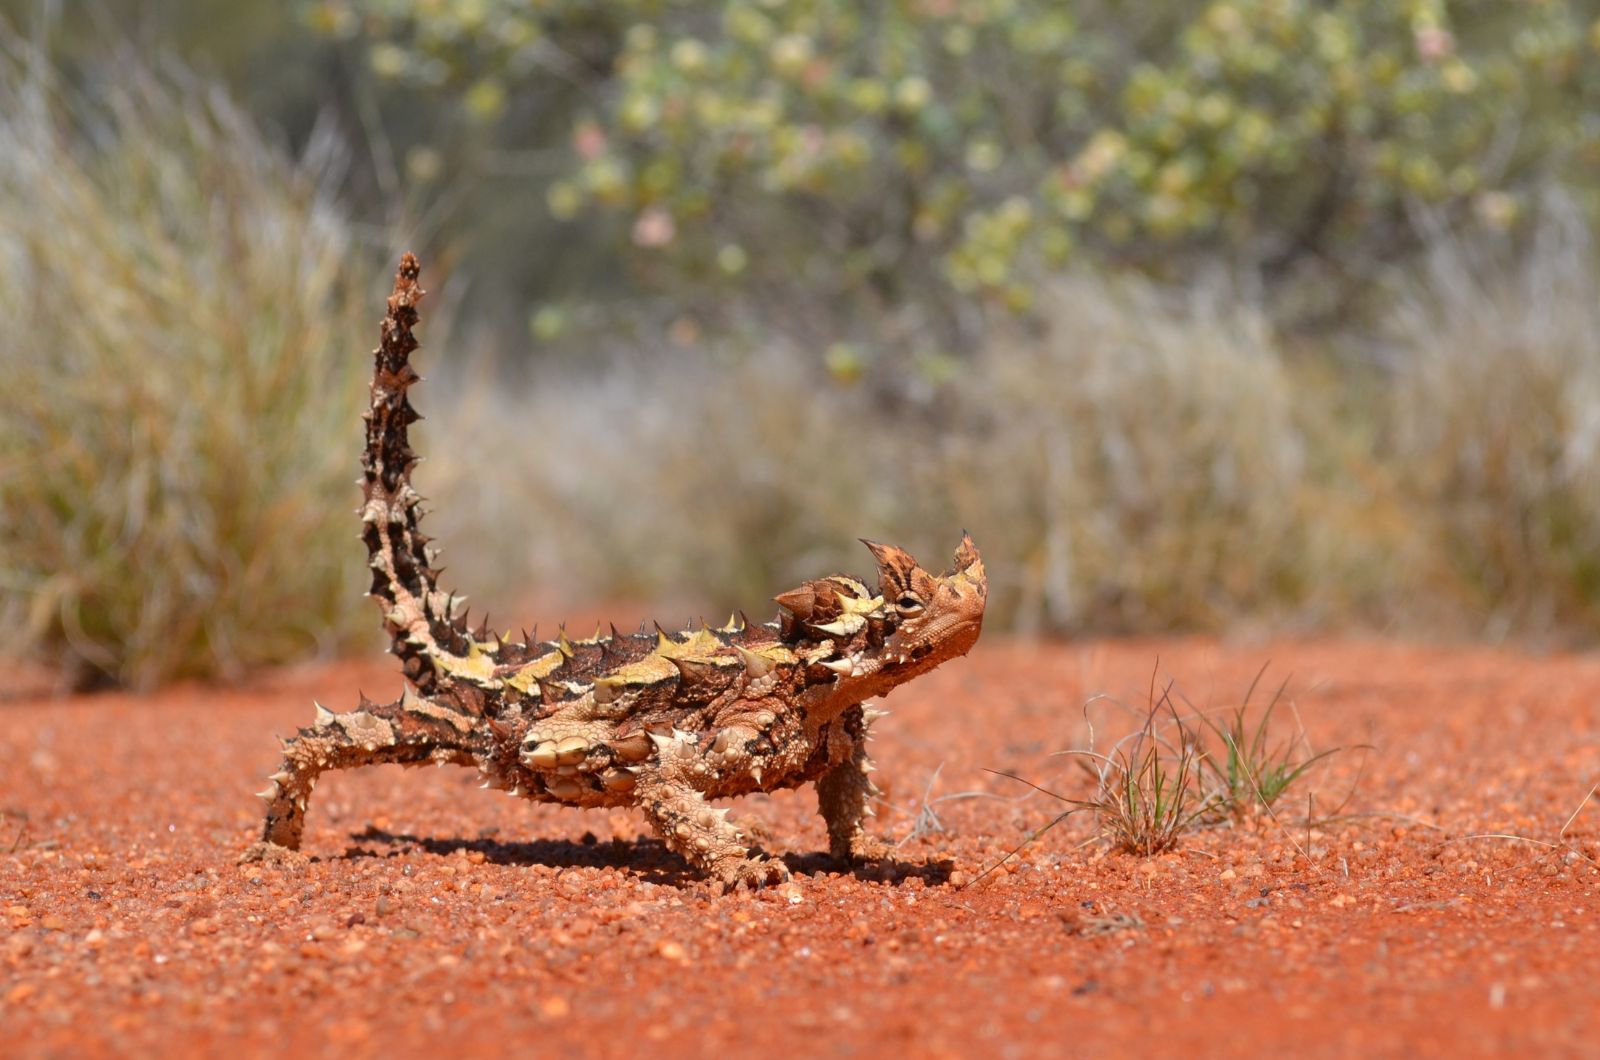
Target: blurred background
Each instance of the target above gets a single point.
(1256, 314)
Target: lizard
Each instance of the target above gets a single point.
(658, 721)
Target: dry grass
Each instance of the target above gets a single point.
(1139, 467)
(680, 474)
(183, 330)
(1152, 461)
(1147, 789)
(1496, 423)
(1179, 769)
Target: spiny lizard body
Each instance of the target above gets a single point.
(661, 722)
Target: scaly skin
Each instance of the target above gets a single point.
(659, 722)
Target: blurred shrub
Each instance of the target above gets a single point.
(1156, 459)
(184, 314)
(887, 172)
(681, 473)
(1496, 422)
(1142, 463)
(1141, 466)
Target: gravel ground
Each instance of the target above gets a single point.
(1444, 911)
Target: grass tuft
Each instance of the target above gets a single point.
(1146, 790)
(184, 324)
(1165, 778)
(1249, 772)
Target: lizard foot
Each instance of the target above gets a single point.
(268, 853)
(865, 847)
(750, 873)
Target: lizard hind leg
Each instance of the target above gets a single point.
(704, 837)
(690, 827)
(410, 731)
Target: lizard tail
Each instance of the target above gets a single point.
(426, 626)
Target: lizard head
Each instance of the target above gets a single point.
(915, 621)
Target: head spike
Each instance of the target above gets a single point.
(966, 554)
(896, 568)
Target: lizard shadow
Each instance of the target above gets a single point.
(888, 871)
(646, 857)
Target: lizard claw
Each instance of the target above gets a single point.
(751, 874)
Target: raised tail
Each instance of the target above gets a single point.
(425, 625)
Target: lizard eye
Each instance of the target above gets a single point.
(908, 604)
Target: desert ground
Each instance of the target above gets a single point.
(1442, 902)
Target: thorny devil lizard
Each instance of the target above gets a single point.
(661, 722)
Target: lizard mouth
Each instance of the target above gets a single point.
(902, 661)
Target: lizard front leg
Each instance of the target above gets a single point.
(690, 827)
(409, 732)
(844, 796)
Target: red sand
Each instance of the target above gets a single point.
(437, 916)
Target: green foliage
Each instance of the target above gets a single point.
(1249, 772)
(847, 170)
(182, 364)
